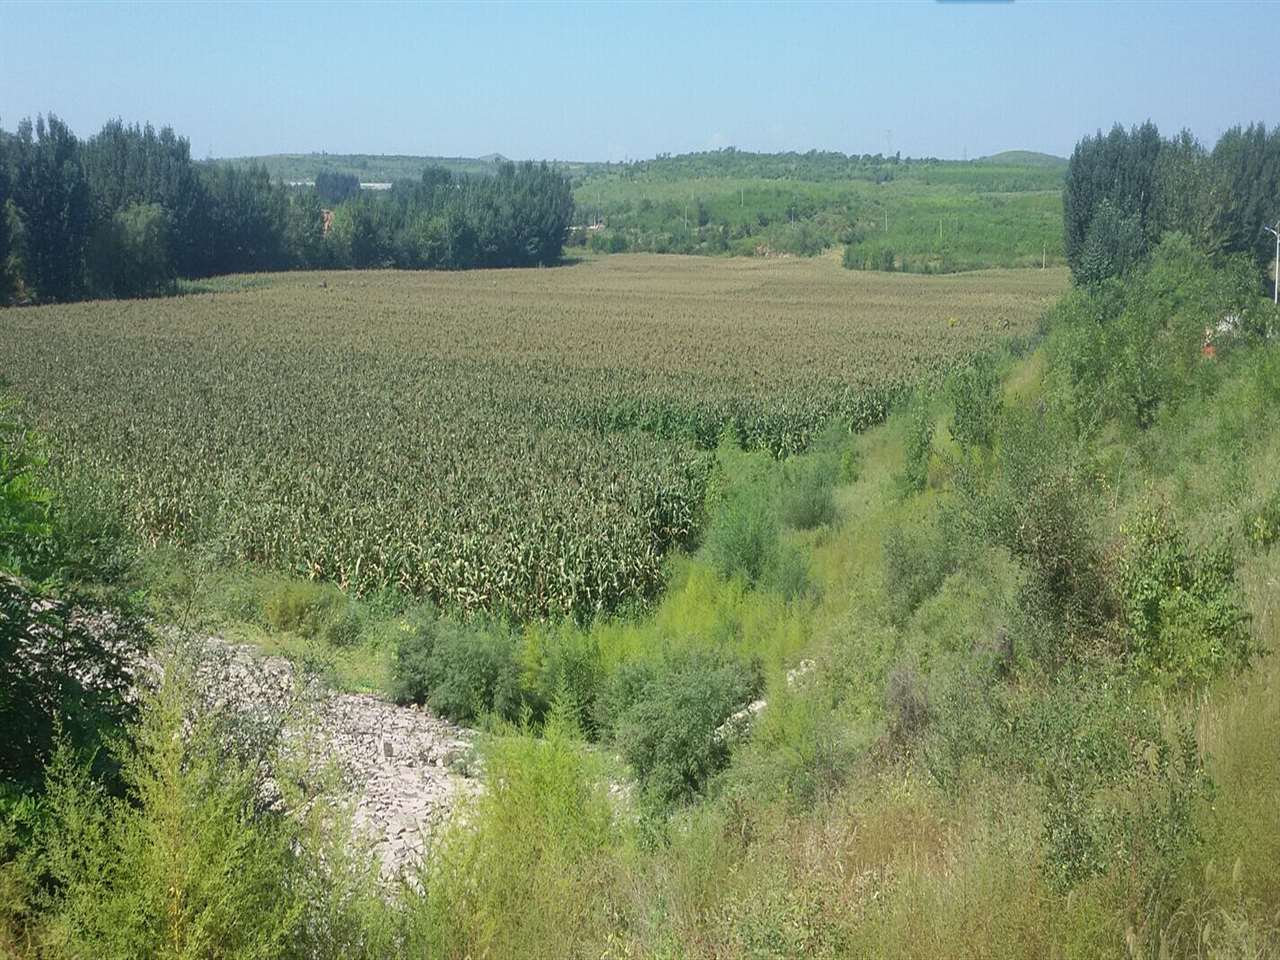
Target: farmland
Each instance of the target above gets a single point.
(528, 441)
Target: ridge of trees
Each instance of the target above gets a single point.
(127, 211)
(1126, 189)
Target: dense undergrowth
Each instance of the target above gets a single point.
(1040, 720)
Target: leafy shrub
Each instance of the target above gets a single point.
(1128, 349)
(1039, 506)
(916, 560)
(90, 542)
(186, 862)
(919, 448)
(346, 625)
(1262, 524)
(806, 499)
(798, 750)
(1184, 615)
(667, 733)
(1119, 784)
(742, 537)
(26, 504)
(906, 706)
(66, 666)
(850, 464)
(474, 672)
(788, 574)
(461, 671)
(520, 876)
(976, 402)
(563, 665)
(301, 606)
(625, 687)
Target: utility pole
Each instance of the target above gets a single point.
(1275, 285)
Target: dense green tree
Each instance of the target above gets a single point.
(12, 253)
(1126, 190)
(304, 231)
(128, 165)
(1119, 170)
(334, 188)
(6, 282)
(52, 194)
(1113, 246)
(248, 215)
(1245, 190)
(1183, 200)
(125, 212)
(129, 255)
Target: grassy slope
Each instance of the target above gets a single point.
(829, 836)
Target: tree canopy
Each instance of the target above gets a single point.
(1128, 188)
(127, 211)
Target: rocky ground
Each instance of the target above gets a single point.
(404, 769)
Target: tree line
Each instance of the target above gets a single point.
(127, 211)
(1126, 189)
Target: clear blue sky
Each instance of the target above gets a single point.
(596, 81)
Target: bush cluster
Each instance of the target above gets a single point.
(666, 716)
(463, 671)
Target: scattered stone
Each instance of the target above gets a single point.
(404, 768)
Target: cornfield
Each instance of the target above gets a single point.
(529, 441)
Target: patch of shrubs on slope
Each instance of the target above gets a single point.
(753, 501)
(666, 717)
(662, 714)
(463, 671)
(1108, 614)
(68, 629)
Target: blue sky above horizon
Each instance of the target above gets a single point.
(614, 81)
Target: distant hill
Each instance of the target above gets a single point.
(1025, 158)
(375, 168)
(886, 212)
(728, 163)
(368, 167)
